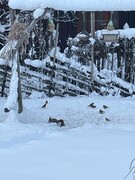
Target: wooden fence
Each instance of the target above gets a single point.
(62, 80)
(62, 77)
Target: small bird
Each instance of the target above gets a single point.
(52, 120)
(92, 105)
(45, 104)
(105, 107)
(101, 111)
(6, 110)
(107, 120)
(60, 122)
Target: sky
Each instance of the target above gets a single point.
(76, 5)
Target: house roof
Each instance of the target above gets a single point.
(75, 5)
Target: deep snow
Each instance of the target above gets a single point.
(88, 147)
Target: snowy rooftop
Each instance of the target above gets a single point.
(76, 5)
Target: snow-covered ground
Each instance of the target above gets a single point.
(87, 148)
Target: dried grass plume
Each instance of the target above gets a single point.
(17, 30)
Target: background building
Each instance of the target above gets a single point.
(101, 20)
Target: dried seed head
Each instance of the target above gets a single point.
(17, 30)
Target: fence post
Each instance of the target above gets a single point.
(92, 47)
(123, 61)
(133, 65)
(19, 90)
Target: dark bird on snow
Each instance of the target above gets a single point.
(105, 107)
(52, 120)
(6, 110)
(92, 105)
(101, 111)
(45, 104)
(107, 120)
(59, 122)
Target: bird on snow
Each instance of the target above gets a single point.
(101, 111)
(52, 120)
(105, 107)
(6, 110)
(45, 104)
(60, 122)
(92, 105)
(107, 120)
